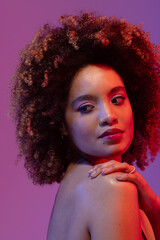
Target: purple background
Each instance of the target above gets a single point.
(24, 208)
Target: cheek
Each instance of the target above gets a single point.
(80, 129)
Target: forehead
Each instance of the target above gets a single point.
(95, 79)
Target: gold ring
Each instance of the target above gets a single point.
(133, 170)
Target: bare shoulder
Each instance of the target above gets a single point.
(111, 205)
(68, 218)
(100, 208)
(108, 183)
(108, 188)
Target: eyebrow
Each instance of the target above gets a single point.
(93, 98)
(116, 89)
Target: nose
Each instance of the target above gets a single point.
(107, 115)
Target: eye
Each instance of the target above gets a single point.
(118, 100)
(85, 108)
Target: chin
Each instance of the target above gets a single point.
(115, 154)
(96, 156)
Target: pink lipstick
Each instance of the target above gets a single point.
(112, 136)
(111, 132)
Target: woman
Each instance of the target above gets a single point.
(76, 92)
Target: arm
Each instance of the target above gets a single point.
(149, 202)
(113, 210)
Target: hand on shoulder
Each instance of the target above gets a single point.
(112, 208)
(149, 202)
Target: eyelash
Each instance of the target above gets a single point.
(82, 107)
(121, 98)
(82, 110)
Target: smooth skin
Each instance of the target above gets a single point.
(149, 202)
(88, 208)
(98, 102)
(97, 207)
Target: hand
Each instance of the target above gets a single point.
(149, 202)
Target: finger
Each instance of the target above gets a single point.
(102, 165)
(126, 177)
(96, 170)
(121, 167)
(135, 177)
(133, 170)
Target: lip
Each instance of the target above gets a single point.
(111, 132)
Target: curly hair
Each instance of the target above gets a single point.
(42, 81)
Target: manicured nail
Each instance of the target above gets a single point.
(104, 170)
(93, 174)
(89, 172)
(119, 177)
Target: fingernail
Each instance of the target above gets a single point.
(93, 173)
(91, 170)
(119, 176)
(104, 170)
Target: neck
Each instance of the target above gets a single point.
(94, 161)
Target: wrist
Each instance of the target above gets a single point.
(153, 213)
(151, 205)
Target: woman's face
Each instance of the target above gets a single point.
(98, 114)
